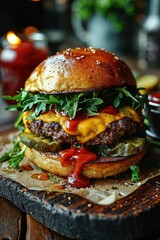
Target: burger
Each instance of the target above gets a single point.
(81, 112)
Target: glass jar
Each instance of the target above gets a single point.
(19, 59)
(153, 115)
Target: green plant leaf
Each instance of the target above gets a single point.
(72, 103)
(135, 173)
(14, 156)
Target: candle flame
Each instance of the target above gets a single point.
(12, 38)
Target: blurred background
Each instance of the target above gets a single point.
(68, 23)
(31, 30)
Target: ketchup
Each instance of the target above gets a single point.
(27, 167)
(77, 156)
(40, 176)
(154, 97)
(109, 110)
(72, 124)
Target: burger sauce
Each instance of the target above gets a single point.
(41, 176)
(77, 156)
(109, 110)
(72, 124)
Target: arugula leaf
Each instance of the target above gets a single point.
(91, 105)
(117, 100)
(52, 177)
(19, 124)
(14, 156)
(28, 101)
(126, 93)
(71, 103)
(135, 173)
(5, 156)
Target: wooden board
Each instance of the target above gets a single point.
(132, 217)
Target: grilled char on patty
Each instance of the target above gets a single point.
(114, 131)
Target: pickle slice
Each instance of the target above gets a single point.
(126, 147)
(39, 143)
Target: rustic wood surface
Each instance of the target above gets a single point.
(29, 228)
(10, 221)
(15, 225)
(132, 217)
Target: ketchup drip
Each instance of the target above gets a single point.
(72, 124)
(78, 156)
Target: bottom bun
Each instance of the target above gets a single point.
(51, 163)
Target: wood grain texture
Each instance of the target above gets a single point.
(132, 217)
(37, 231)
(10, 221)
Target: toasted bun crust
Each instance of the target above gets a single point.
(79, 69)
(90, 170)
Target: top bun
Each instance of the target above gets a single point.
(79, 70)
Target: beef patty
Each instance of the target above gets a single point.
(113, 132)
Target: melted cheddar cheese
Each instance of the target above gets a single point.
(87, 128)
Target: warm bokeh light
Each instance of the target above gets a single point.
(12, 38)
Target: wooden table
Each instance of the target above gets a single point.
(16, 225)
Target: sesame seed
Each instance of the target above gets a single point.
(98, 62)
(92, 50)
(78, 58)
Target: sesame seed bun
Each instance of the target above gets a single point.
(79, 70)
